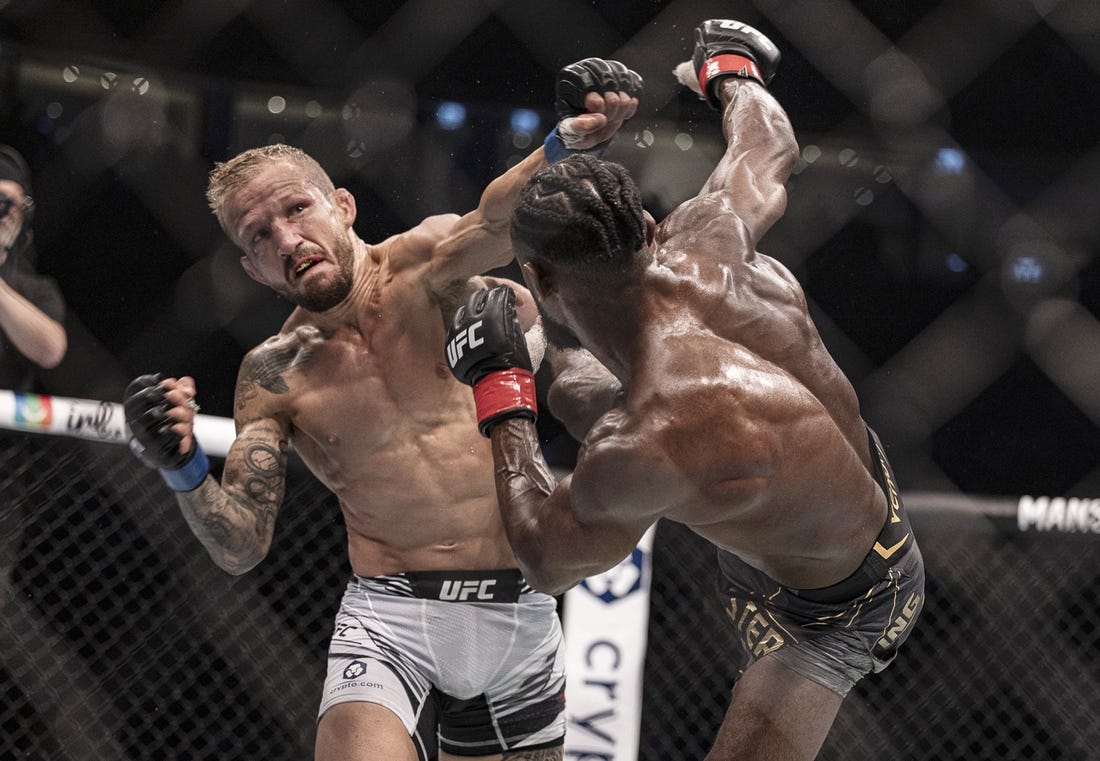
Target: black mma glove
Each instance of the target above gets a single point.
(486, 349)
(726, 48)
(153, 440)
(573, 83)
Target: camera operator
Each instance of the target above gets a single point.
(31, 337)
(31, 306)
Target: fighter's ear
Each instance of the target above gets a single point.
(344, 202)
(540, 281)
(251, 270)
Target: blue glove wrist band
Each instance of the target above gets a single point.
(553, 146)
(556, 151)
(190, 475)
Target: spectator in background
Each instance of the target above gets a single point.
(31, 306)
(31, 337)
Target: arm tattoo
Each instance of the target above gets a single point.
(265, 369)
(236, 523)
(265, 482)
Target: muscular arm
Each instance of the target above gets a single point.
(555, 549)
(235, 520)
(760, 154)
(480, 240)
(582, 389)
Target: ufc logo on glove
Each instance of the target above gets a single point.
(465, 339)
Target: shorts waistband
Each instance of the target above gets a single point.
(892, 542)
(501, 585)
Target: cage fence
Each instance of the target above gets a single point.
(121, 640)
(943, 222)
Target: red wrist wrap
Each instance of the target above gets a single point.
(502, 391)
(729, 63)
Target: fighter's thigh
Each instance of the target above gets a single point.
(361, 731)
(775, 713)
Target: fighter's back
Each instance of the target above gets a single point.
(706, 260)
(736, 390)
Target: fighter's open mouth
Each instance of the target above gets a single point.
(304, 265)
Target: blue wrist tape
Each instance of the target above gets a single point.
(555, 149)
(553, 146)
(190, 475)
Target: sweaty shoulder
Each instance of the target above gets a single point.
(623, 472)
(416, 245)
(708, 225)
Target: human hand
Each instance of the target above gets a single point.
(593, 98)
(486, 349)
(526, 311)
(10, 226)
(725, 48)
(160, 415)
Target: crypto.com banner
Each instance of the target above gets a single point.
(605, 622)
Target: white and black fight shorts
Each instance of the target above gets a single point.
(470, 661)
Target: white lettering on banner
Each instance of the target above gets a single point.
(605, 621)
(1071, 514)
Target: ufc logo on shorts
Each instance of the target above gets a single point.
(460, 591)
(467, 339)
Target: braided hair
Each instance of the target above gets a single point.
(581, 213)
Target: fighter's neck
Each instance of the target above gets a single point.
(612, 331)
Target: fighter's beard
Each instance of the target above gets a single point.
(324, 297)
(556, 333)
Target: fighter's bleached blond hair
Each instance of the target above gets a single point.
(226, 178)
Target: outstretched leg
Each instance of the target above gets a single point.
(775, 715)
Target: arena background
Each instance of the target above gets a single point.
(943, 223)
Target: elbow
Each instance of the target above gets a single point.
(243, 560)
(49, 350)
(548, 580)
(547, 583)
(788, 152)
(238, 566)
(54, 354)
(578, 405)
(559, 403)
